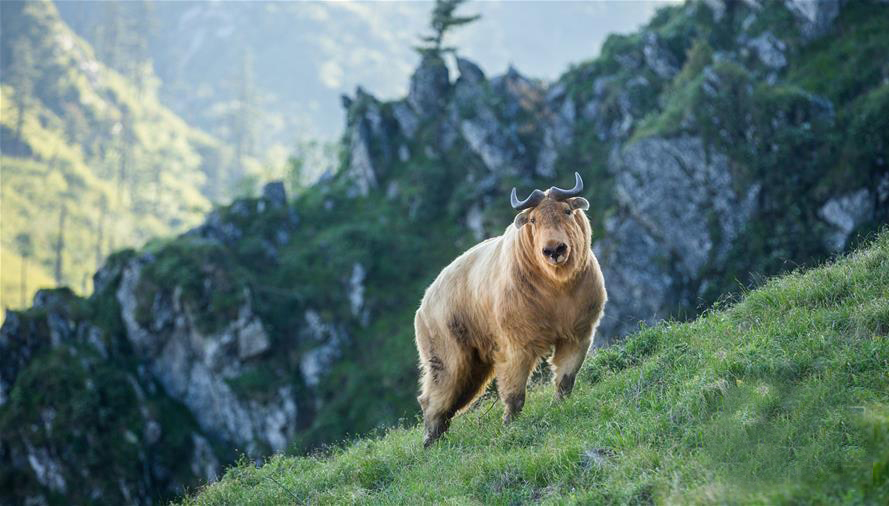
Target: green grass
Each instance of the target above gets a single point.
(780, 398)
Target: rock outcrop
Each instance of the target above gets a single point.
(678, 212)
(194, 367)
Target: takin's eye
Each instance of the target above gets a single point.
(533, 220)
(568, 212)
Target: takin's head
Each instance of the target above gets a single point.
(552, 225)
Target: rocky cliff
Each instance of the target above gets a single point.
(715, 152)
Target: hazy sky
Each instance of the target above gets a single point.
(306, 54)
(540, 37)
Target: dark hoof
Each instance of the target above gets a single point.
(514, 405)
(564, 387)
(434, 432)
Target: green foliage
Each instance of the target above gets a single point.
(79, 409)
(865, 149)
(80, 136)
(63, 401)
(781, 398)
(442, 21)
(852, 59)
(211, 282)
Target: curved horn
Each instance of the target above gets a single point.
(532, 200)
(560, 194)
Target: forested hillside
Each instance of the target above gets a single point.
(92, 161)
(721, 144)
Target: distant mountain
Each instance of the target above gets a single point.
(94, 163)
(720, 144)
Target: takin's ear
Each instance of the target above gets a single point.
(521, 218)
(579, 203)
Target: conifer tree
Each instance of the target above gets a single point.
(100, 229)
(60, 245)
(25, 249)
(22, 77)
(443, 20)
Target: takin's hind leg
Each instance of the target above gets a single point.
(448, 388)
(436, 399)
(565, 362)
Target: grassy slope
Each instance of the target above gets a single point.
(782, 397)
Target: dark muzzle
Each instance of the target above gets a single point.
(555, 251)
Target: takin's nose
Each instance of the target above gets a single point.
(555, 252)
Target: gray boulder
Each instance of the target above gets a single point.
(469, 72)
(370, 144)
(406, 118)
(215, 228)
(326, 339)
(361, 167)
(844, 213)
(558, 129)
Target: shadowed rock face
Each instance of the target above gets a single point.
(54, 354)
(193, 366)
(678, 212)
(814, 17)
(429, 87)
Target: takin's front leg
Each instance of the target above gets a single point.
(512, 379)
(565, 363)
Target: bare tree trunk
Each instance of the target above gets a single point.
(158, 168)
(19, 124)
(100, 232)
(24, 284)
(60, 244)
(122, 162)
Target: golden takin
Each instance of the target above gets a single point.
(501, 306)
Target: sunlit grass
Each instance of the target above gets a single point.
(10, 280)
